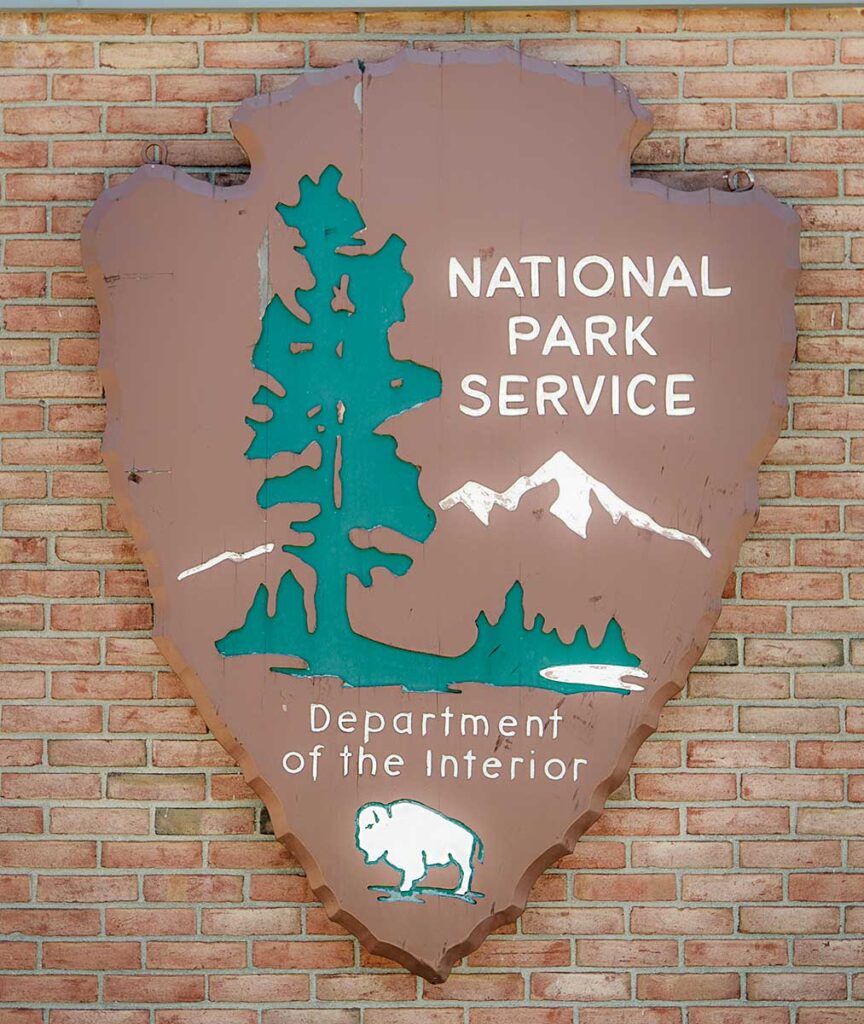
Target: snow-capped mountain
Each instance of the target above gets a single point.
(573, 504)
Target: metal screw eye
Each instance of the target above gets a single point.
(740, 179)
(155, 153)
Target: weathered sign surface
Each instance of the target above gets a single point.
(439, 439)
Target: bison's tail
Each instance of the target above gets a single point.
(478, 849)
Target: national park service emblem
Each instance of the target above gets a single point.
(438, 439)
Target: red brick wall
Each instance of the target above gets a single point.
(724, 884)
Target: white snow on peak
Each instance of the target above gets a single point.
(573, 504)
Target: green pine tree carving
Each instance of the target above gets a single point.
(341, 387)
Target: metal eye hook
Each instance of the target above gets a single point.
(159, 151)
(734, 179)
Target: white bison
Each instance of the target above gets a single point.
(412, 838)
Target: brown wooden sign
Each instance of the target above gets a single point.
(438, 439)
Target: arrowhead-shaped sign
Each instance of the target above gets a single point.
(438, 438)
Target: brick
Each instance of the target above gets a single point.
(140, 922)
(790, 920)
(796, 853)
(114, 956)
(113, 88)
(52, 384)
(23, 87)
(681, 921)
(260, 988)
(637, 821)
(80, 484)
(735, 953)
(765, 150)
(23, 549)
(98, 23)
(155, 720)
(793, 652)
(791, 787)
(685, 787)
(18, 956)
(587, 987)
(87, 889)
(737, 754)
(717, 888)
(22, 286)
(256, 55)
(18, 685)
(195, 956)
(21, 617)
(840, 553)
(799, 586)
(195, 23)
(617, 953)
(831, 821)
(97, 753)
(738, 821)
(26, 484)
(826, 19)
(129, 988)
(50, 187)
(828, 952)
(258, 921)
(519, 21)
(63, 988)
(50, 786)
(826, 888)
(809, 986)
(828, 83)
(826, 685)
(744, 84)
(301, 22)
(190, 754)
(76, 418)
(148, 55)
(688, 987)
(49, 922)
(786, 720)
(85, 550)
(305, 955)
(157, 120)
(381, 988)
(783, 52)
(26, 650)
(675, 53)
(149, 854)
(650, 84)
(52, 518)
(46, 55)
(101, 685)
(645, 20)
(47, 854)
(406, 22)
(51, 120)
(156, 787)
(691, 116)
(101, 618)
(204, 88)
(193, 888)
(18, 752)
(624, 888)
(583, 52)
(681, 854)
(105, 821)
(23, 154)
